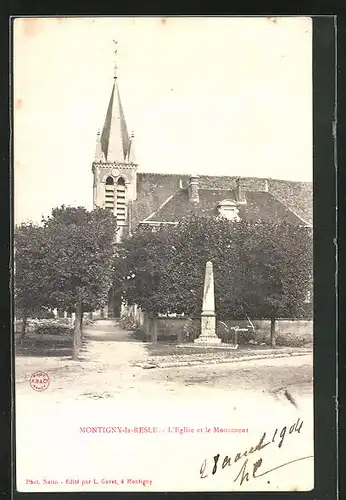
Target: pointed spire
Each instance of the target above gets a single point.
(132, 149)
(98, 152)
(114, 137)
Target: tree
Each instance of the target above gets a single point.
(79, 261)
(278, 271)
(30, 253)
(262, 269)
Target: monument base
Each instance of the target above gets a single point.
(207, 340)
(208, 327)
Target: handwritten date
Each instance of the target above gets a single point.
(276, 439)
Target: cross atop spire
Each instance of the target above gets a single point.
(115, 58)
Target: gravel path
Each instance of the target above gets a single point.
(111, 364)
(106, 388)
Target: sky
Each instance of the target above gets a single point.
(218, 96)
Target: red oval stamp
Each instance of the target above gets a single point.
(39, 381)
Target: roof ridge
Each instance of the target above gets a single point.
(170, 174)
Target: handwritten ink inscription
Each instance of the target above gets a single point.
(253, 470)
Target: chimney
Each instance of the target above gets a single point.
(240, 192)
(193, 189)
(266, 185)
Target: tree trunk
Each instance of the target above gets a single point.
(153, 329)
(81, 321)
(272, 333)
(24, 323)
(236, 336)
(69, 319)
(146, 325)
(77, 333)
(181, 335)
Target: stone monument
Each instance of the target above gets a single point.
(208, 318)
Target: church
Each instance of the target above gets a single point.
(153, 199)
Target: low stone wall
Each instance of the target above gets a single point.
(281, 325)
(293, 332)
(182, 329)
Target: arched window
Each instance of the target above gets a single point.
(121, 200)
(109, 193)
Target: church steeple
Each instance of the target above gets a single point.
(115, 171)
(114, 167)
(114, 136)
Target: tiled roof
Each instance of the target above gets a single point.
(154, 189)
(260, 205)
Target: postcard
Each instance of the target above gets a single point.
(163, 254)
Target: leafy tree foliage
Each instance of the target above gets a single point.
(29, 253)
(80, 257)
(261, 269)
(70, 260)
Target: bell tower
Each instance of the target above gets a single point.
(114, 168)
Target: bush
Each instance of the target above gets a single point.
(127, 323)
(293, 340)
(44, 314)
(250, 336)
(52, 329)
(190, 332)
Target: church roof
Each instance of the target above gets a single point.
(288, 199)
(260, 205)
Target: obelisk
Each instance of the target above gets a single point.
(208, 318)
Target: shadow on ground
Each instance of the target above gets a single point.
(108, 338)
(36, 348)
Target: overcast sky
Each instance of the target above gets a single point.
(220, 96)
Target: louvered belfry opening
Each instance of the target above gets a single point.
(121, 201)
(109, 195)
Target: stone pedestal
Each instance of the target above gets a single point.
(208, 328)
(208, 318)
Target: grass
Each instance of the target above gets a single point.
(175, 350)
(170, 353)
(43, 348)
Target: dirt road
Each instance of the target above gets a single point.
(108, 368)
(106, 388)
